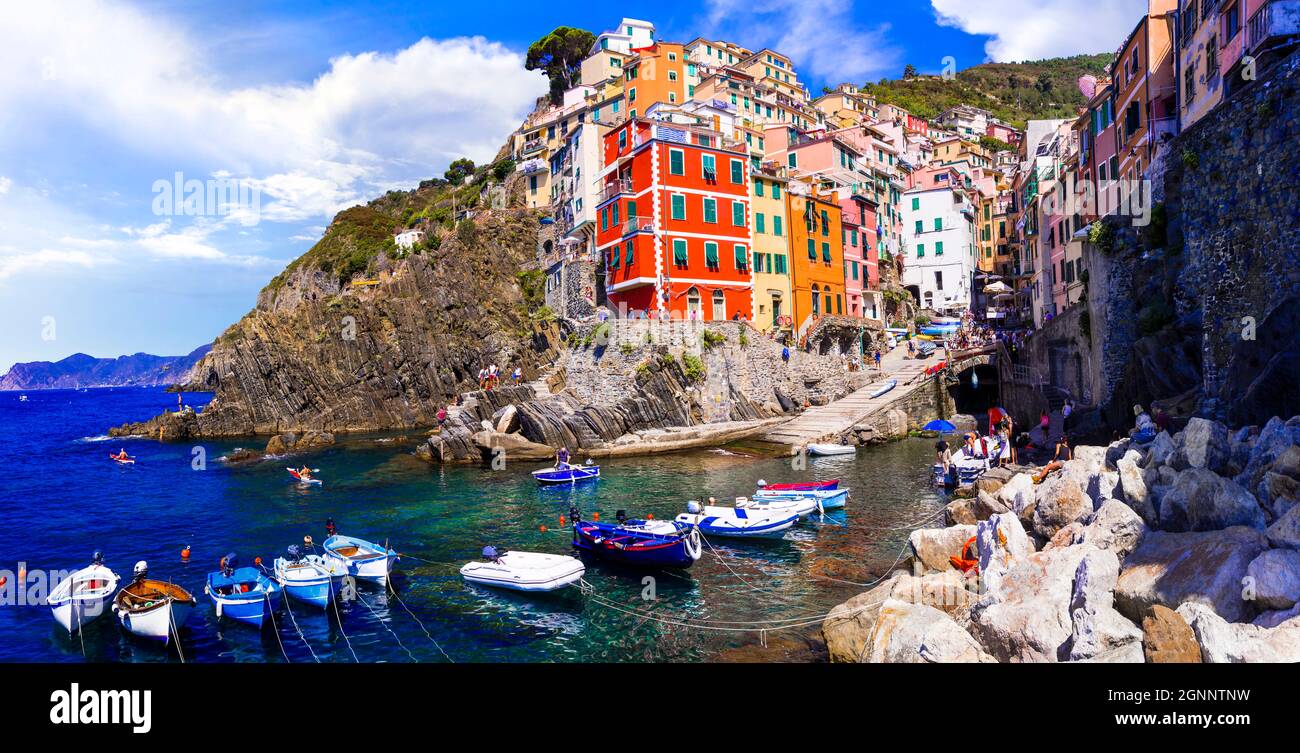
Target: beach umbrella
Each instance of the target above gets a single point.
(997, 287)
(939, 425)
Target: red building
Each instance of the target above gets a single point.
(674, 221)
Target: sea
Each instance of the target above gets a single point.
(62, 499)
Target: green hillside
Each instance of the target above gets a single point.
(1015, 92)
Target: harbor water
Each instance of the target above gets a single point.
(62, 499)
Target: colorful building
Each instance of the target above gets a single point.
(859, 216)
(816, 255)
(773, 295)
(1145, 91)
(939, 226)
(653, 75)
(674, 221)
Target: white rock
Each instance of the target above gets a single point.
(1133, 490)
(1002, 544)
(1204, 444)
(907, 633)
(1223, 642)
(1017, 493)
(933, 546)
(1275, 576)
(1285, 531)
(1027, 618)
(1201, 500)
(1060, 502)
(1162, 447)
(1116, 528)
(1172, 568)
(1097, 630)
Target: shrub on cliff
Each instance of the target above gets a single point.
(693, 368)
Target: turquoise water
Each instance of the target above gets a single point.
(63, 499)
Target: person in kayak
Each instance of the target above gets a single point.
(304, 473)
(121, 455)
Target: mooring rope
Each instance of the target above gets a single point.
(294, 620)
(339, 617)
(270, 612)
(385, 627)
(393, 592)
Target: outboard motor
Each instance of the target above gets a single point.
(228, 564)
(621, 516)
(490, 554)
(574, 515)
(694, 507)
(141, 570)
(97, 558)
(330, 528)
(295, 554)
(761, 483)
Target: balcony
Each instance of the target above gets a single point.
(1277, 18)
(533, 147)
(634, 225)
(613, 190)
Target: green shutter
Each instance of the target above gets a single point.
(676, 162)
(780, 264)
(938, 248)
(916, 203)
(776, 190)
(742, 259)
(737, 214)
(711, 210)
(826, 252)
(760, 224)
(812, 249)
(614, 214)
(920, 250)
(677, 207)
(737, 171)
(920, 227)
(826, 223)
(614, 258)
(938, 223)
(776, 225)
(711, 254)
(679, 252)
(758, 187)
(604, 218)
(628, 259)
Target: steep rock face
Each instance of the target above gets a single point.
(345, 341)
(80, 370)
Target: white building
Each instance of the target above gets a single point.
(407, 239)
(631, 34)
(939, 254)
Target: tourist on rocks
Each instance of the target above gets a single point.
(1045, 423)
(1162, 419)
(442, 417)
(518, 376)
(1144, 429)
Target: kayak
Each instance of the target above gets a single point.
(127, 461)
(831, 449)
(294, 472)
(886, 387)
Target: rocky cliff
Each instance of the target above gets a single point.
(357, 335)
(80, 370)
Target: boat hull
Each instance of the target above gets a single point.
(830, 499)
(251, 606)
(158, 624)
(525, 571)
(369, 562)
(313, 581)
(616, 544)
(570, 475)
(800, 486)
(738, 523)
(75, 614)
(831, 449)
(83, 597)
(250, 611)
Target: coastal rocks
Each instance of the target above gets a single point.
(1275, 578)
(1201, 500)
(1018, 494)
(1285, 531)
(1097, 631)
(1133, 488)
(1002, 544)
(168, 427)
(1174, 568)
(882, 426)
(993, 479)
(1168, 639)
(933, 546)
(1224, 642)
(971, 510)
(1276, 617)
(1027, 617)
(241, 455)
(1115, 528)
(1161, 449)
(1278, 493)
(288, 442)
(907, 633)
(1274, 441)
(1204, 444)
(497, 447)
(506, 420)
(847, 629)
(1060, 502)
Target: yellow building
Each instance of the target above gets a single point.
(770, 239)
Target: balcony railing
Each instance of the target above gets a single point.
(638, 225)
(1276, 18)
(614, 190)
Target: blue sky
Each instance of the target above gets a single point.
(319, 105)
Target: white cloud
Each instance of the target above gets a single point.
(1036, 29)
(822, 37)
(313, 148)
(13, 261)
(5, 185)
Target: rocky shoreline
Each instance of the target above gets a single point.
(1186, 549)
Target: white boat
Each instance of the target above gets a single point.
(523, 571)
(738, 521)
(83, 597)
(797, 503)
(152, 608)
(832, 449)
(310, 578)
(828, 499)
(362, 559)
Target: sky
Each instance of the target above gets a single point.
(111, 110)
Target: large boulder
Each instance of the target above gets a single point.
(1285, 531)
(1115, 528)
(1201, 500)
(1277, 617)
(1288, 463)
(1224, 642)
(907, 633)
(1167, 638)
(933, 546)
(1203, 567)
(1018, 493)
(1161, 450)
(1002, 544)
(1204, 444)
(1133, 488)
(1278, 493)
(1027, 617)
(847, 629)
(1060, 502)
(1274, 440)
(971, 510)
(1275, 578)
(1097, 631)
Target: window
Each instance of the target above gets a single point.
(776, 225)
(812, 249)
(677, 207)
(1232, 24)
(711, 254)
(613, 258)
(628, 259)
(676, 162)
(758, 187)
(854, 267)
(920, 227)
(614, 214)
(916, 203)
(826, 252)
(711, 210)
(604, 219)
(938, 223)
(792, 160)
(780, 263)
(742, 259)
(839, 303)
(1189, 79)
(938, 248)
(920, 250)
(679, 252)
(776, 190)
(737, 214)
(710, 167)
(826, 223)
(760, 224)
(938, 280)
(672, 75)
(737, 171)
(853, 238)
(622, 139)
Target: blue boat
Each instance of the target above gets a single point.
(641, 543)
(243, 594)
(567, 474)
(311, 579)
(830, 499)
(363, 560)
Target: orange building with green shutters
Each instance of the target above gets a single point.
(816, 256)
(673, 221)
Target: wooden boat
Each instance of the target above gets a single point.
(737, 522)
(523, 571)
(642, 543)
(309, 578)
(83, 597)
(799, 486)
(566, 474)
(831, 449)
(364, 560)
(151, 608)
(243, 594)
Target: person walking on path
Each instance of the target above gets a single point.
(877, 357)
(1045, 423)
